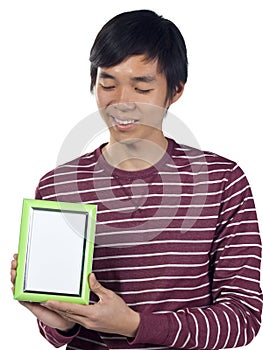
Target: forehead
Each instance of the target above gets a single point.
(133, 66)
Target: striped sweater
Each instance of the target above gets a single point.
(178, 242)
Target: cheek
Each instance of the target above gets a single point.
(158, 102)
(153, 113)
(158, 97)
(101, 98)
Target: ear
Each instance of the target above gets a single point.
(178, 93)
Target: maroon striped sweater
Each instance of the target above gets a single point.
(178, 242)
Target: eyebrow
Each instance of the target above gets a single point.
(144, 78)
(104, 75)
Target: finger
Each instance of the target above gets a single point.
(13, 264)
(15, 256)
(48, 317)
(58, 306)
(67, 308)
(81, 320)
(13, 276)
(33, 307)
(96, 287)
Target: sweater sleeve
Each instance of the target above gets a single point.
(233, 317)
(54, 337)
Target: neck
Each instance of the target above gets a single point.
(134, 155)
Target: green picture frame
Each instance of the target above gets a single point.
(55, 251)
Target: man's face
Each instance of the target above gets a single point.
(132, 100)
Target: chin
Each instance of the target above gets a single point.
(127, 141)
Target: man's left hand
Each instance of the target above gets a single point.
(110, 315)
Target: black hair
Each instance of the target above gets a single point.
(142, 32)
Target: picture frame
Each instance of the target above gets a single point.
(55, 251)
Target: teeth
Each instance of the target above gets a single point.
(124, 122)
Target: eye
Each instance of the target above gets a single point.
(107, 88)
(143, 91)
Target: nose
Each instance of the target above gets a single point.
(124, 101)
(125, 107)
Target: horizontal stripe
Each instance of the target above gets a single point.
(251, 307)
(156, 218)
(236, 277)
(237, 206)
(249, 256)
(75, 181)
(236, 194)
(181, 300)
(233, 183)
(237, 234)
(160, 290)
(150, 267)
(246, 291)
(136, 256)
(164, 277)
(140, 196)
(162, 206)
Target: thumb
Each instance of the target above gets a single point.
(95, 286)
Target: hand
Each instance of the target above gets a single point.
(110, 315)
(45, 315)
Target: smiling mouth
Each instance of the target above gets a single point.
(124, 121)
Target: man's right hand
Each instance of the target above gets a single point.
(48, 317)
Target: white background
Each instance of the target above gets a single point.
(44, 93)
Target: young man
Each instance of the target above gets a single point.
(177, 255)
